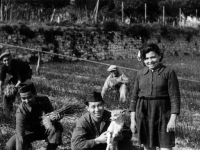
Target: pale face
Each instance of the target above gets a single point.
(28, 98)
(114, 73)
(152, 60)
(7, 60)
(96, 110)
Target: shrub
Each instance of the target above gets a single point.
(139, 31)
(111, 26)
(190, 32)
(27, 32)
(8, 29)
(169, 33)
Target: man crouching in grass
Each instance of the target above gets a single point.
(28, 121)
(91, 129)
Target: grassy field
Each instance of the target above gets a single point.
(70, 83)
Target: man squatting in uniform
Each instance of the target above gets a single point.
(28, 121)
(91, 128)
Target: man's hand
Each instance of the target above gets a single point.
(102, 138)
(51, 129)
(54, 116)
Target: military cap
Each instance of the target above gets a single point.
(94, 97)
(112, 68)
(4, 55)
(27, 88)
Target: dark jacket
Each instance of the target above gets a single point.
(85, 132)
(162, 82)
(29, 118)
(19, 69)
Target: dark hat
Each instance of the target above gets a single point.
(4, 55)
(94, 97)
(27, 88)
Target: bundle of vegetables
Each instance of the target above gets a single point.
(9, 96)
(66, 111)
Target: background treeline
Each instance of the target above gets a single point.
(42, 10)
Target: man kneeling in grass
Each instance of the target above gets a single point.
(117, 81)
(28, 121)
(91, 129)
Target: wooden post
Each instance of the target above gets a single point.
(179, 14)
(38, 63)
(86, 13)
(163, 15)
(11, 10)
(196, 12)
(52, 15)
(1, 10)
(97, 6)
(145, 13)
(122, 12)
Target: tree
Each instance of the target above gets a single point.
(172, 7)
(136, 8)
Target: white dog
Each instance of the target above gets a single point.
(115, 128)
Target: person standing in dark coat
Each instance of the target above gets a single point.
(155, 102)
(28, 121)
(19, 70)
(90, 132)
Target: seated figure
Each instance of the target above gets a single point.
(117, 81)
(90, 132)
(28, 121)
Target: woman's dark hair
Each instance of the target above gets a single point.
(151, 47)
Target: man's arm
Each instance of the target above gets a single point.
(123, 79)
(2, 78)
(22, 70)
(1, 87)
(80, 137)
(20, 130)
(105, 86)
(79, 140)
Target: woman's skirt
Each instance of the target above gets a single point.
(152, 117)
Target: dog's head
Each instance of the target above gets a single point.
(118, 116)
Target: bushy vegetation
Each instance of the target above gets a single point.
(135, 30)
(109, 41)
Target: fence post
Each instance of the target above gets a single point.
(145, 13)
(38, 63)
(97, 6)
(196, 13)
(163, 15)
(122, 12)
